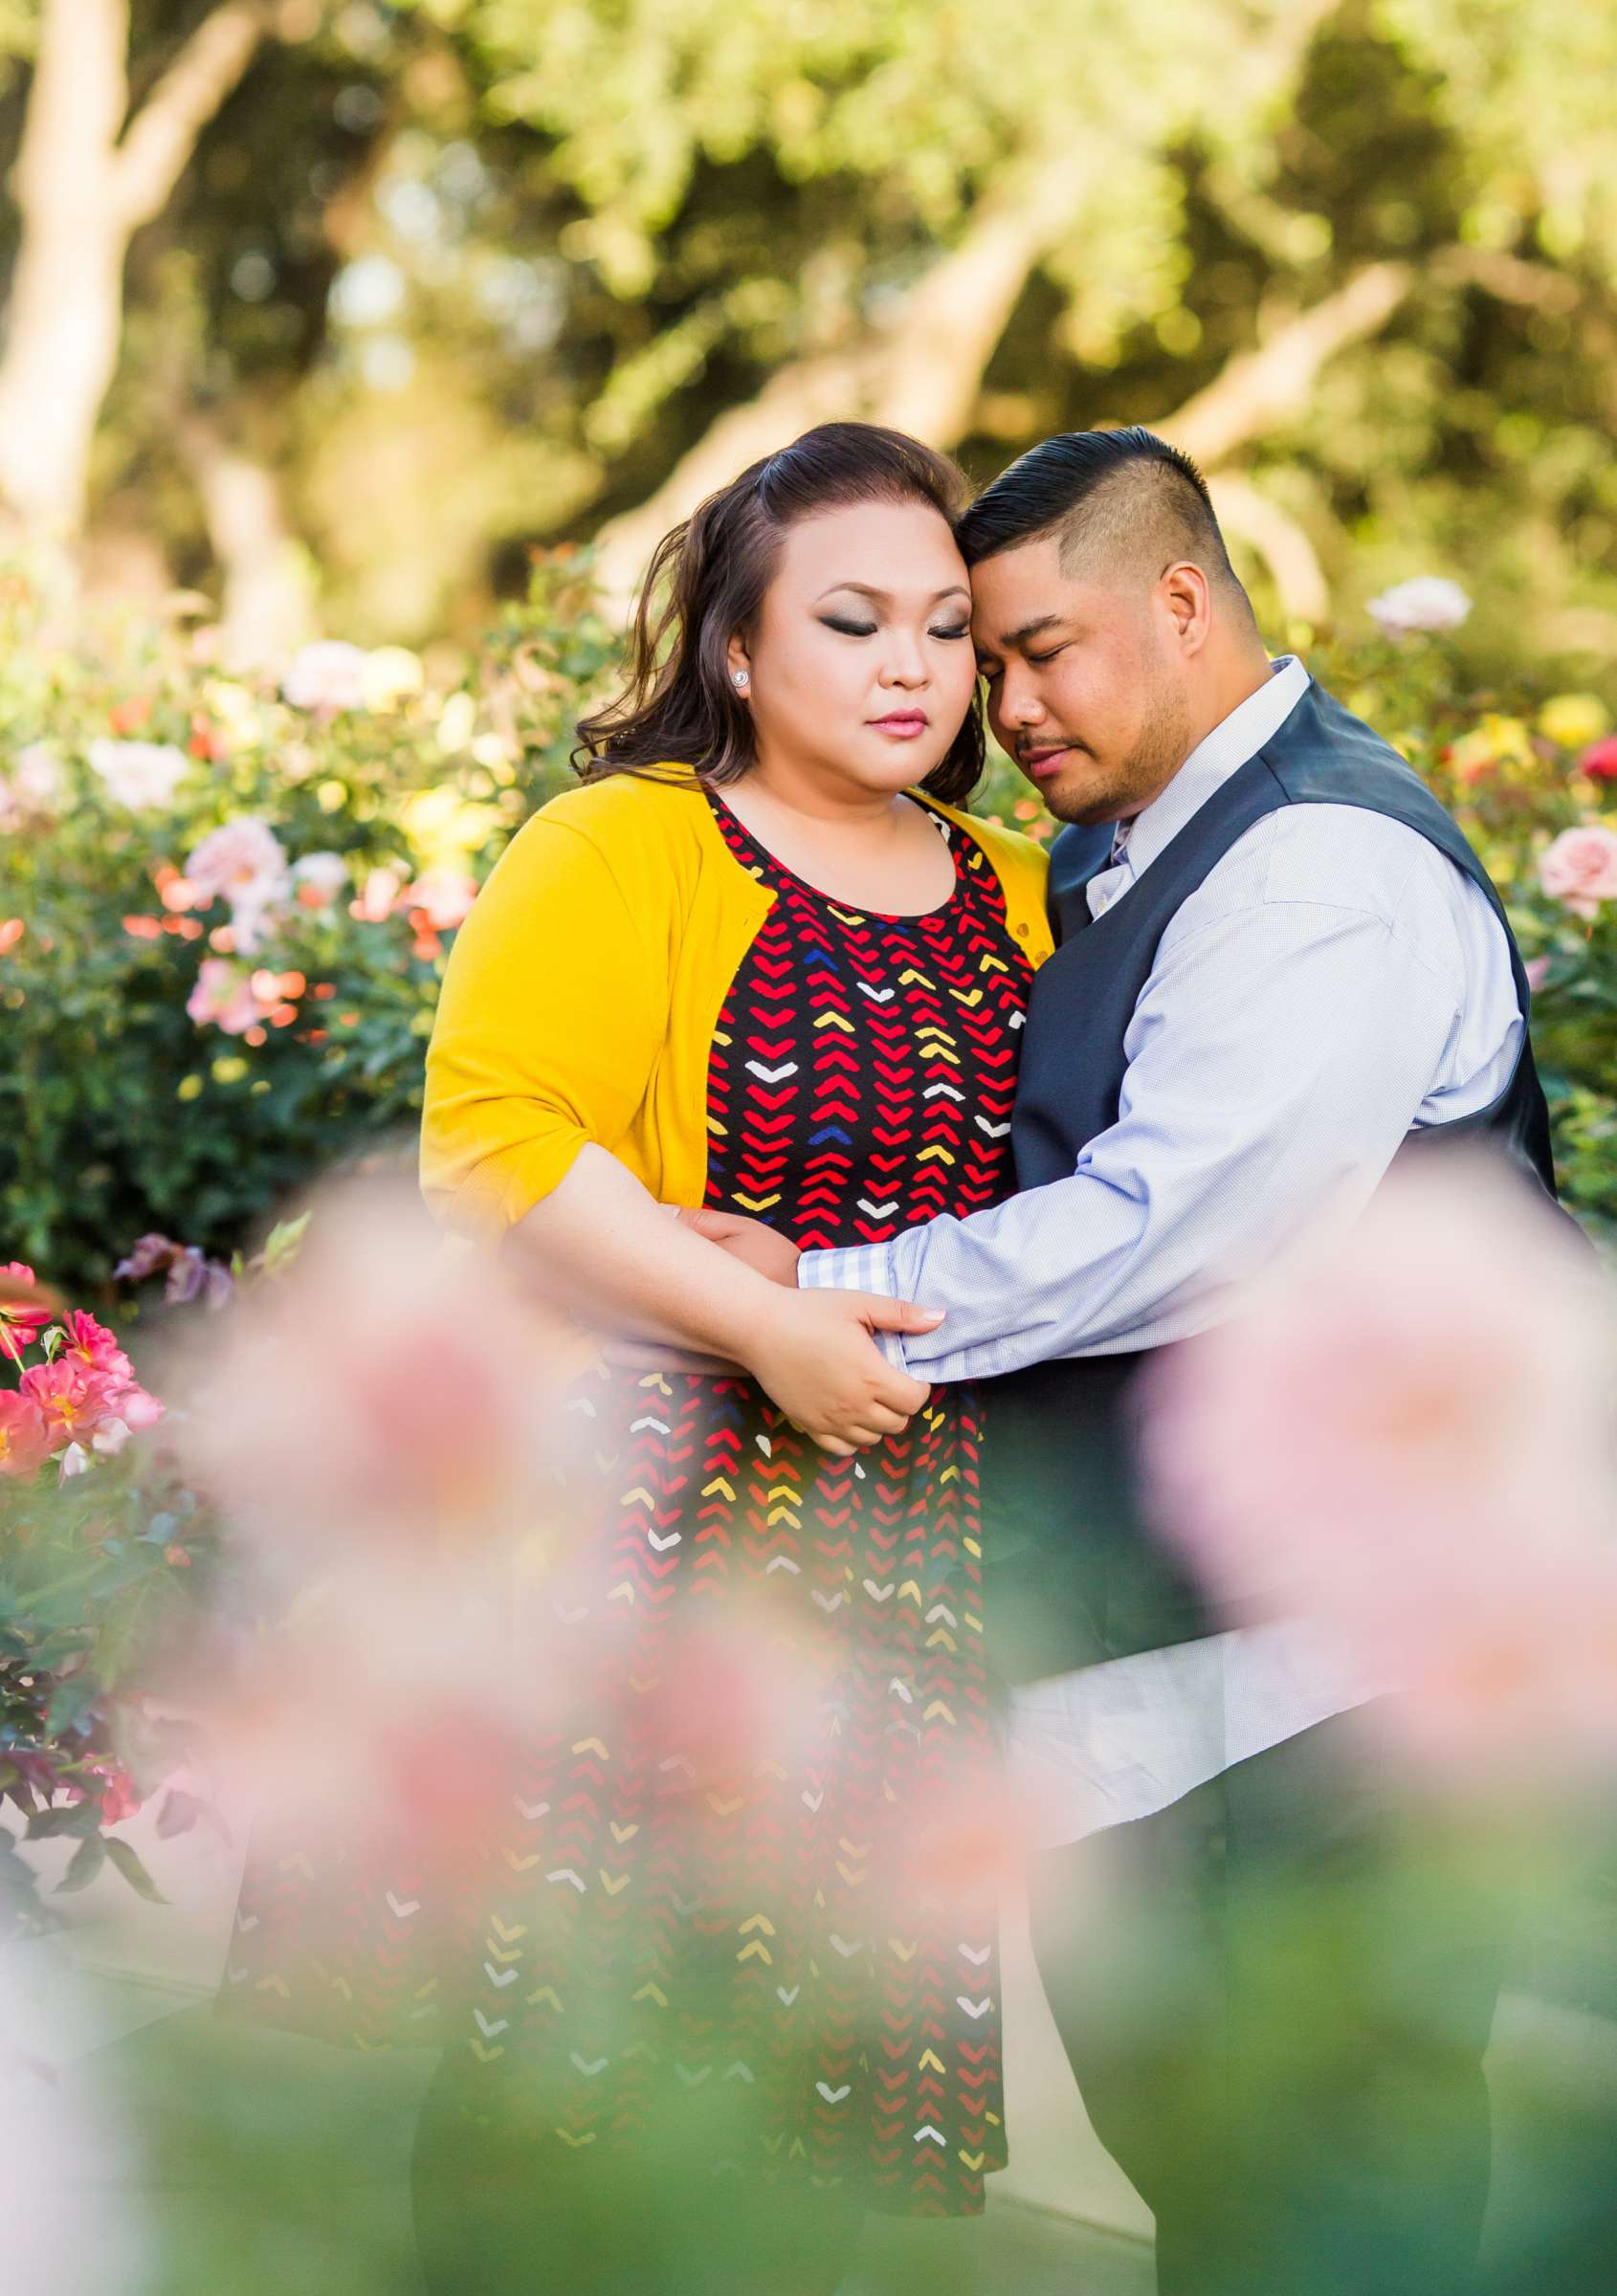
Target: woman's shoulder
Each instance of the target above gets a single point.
(629, 810)
(1012, 853)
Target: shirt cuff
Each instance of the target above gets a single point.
(857, 1267)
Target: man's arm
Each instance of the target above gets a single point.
(1277, 1058)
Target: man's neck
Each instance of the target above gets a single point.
(1247, 674)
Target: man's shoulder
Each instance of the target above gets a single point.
(1345, 856)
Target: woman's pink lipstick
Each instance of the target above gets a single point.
(903, 724)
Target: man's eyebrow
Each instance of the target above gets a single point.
(863, 589)
(1036, 628)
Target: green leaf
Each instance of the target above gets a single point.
(86, 1863)
(76, 1817)
(122, 1855)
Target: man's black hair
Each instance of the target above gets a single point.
(1102, 493)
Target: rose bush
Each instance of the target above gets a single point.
(224, 908)
(104, 1537)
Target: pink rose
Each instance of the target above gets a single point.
(70, 1398)
(91, 1344)
(21, 1320)
(377, 897)
(1579, 868)
(444, 896)
(25, 1439)
(319, 879)
(225, 997)
(245, 863)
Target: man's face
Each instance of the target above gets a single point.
(1087, 688)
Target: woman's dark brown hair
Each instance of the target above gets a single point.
(707, 581)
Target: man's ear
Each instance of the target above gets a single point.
(1186, 598)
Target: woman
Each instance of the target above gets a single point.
(760, 961)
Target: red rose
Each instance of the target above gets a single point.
(1599, 759)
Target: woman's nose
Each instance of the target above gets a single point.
(905, 666)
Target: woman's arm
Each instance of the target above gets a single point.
(600, 1246)
(554, 1009)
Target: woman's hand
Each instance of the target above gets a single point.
(813, 1354)
(752, 1242)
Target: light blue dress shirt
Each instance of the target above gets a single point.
(1333, 984)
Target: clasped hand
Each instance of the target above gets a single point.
(813, 1353)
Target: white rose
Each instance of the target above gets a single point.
(33, 788)
(1427, 603)
(139, 774)
(318, 878)
(329, 675)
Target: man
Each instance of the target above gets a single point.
(1279, 965)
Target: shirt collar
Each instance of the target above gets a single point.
(1232, 743)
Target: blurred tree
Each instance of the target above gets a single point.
(445, 278)
(90, 172)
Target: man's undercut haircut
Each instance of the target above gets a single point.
(1110, 500)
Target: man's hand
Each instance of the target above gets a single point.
(814, 1355)
(751, 1241)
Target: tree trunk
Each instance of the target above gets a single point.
(82, 194)
(268, 604)
(62, 325)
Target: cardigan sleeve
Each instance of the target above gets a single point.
(549, 1023)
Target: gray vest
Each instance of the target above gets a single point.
(1074, 1574)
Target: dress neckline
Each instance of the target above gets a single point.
(729, 819)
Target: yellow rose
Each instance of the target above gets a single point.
(444, 828)
(391, 674)
(1495, 741)
(456, 722)
(1573, 720)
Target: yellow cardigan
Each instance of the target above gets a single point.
(581, 993)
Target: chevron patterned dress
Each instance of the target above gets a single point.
(746, 1885)
(748, 1882)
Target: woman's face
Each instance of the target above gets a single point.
(860, 668)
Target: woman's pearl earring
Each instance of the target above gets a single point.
(741, 680)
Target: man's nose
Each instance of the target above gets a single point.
(1018, 703)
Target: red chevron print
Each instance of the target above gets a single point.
(695, 1903)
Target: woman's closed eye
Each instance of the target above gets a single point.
(868, 630)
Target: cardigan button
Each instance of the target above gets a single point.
(1020, 929)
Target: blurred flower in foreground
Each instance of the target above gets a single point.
(1431, 602)
(1408, 1438)
(66, 2174)
(26, 1306)
(1579, 868)
(381, 1429)
(392, 1391)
